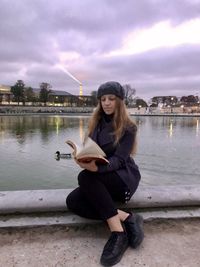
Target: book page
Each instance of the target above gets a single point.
(74, 146)
(88, 151)
(90, 147)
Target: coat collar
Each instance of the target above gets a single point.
(103, 132)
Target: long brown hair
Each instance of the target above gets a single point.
(121, 121)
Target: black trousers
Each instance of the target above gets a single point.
(96, 195)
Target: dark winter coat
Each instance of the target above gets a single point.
(118, 155)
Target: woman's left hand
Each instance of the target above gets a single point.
(90, 166)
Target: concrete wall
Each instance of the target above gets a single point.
(32, 109)
(35, 208)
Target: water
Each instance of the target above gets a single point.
(168, 151)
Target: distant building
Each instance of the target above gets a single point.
(56, 98)
(5, 94)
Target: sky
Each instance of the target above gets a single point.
(153, 45)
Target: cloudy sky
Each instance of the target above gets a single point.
(154, 45)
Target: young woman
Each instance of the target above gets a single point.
(101, 185)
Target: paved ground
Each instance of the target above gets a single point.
(167, 243)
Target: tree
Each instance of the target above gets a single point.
(129, 94)
(183, 99)
(45, 90)
(94, 94)
(29, 94)
(154, 105)
(141, 103)
(18, 91)
(94, 98)
(190, 99)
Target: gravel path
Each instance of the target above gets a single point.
(167, 244)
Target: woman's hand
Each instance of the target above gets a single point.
(90, 166)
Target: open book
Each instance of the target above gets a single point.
(87, 152)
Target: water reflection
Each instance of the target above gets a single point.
(167, 153)
(81, 129)
(57, 123)
(157, 122)
(171, 128)
(23, 127)
(171, 125)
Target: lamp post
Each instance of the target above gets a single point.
(182, 106)
(171, 104)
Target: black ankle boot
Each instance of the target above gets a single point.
(134, 228)
(114, 248)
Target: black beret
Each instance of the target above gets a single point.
(111, 88)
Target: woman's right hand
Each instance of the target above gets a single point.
(90, 166)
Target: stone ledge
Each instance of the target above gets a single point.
(30, 201)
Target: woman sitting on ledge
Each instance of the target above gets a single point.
(101, 185)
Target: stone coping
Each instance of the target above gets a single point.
(31, 201)
(69, 219)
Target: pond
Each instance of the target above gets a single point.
(168, 150)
